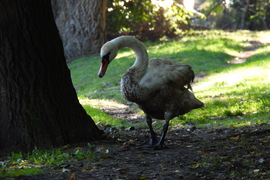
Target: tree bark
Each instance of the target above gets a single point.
(81, 25)
(38, 103)
(243, 14)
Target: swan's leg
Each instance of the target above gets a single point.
(160, 144)
(168, 116)
(153, 136)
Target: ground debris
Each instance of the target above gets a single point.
(205, 153)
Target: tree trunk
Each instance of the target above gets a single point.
(38, 103)
(243, 15)
(81, 25)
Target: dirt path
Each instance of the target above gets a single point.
(205, 153)
(248, 52)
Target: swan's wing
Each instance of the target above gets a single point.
(162, 72)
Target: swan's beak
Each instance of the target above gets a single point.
(103, 67)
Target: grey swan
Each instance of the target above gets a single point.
(162, 89)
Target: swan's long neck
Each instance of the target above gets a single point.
(141, 62)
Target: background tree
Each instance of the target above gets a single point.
(146, 19)
(81, 26)
(235, 14)
(38, 104)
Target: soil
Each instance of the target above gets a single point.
(190, 153)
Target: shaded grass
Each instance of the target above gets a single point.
(19, 164)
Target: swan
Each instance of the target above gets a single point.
(160, 88)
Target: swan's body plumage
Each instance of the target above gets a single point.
(161, 88)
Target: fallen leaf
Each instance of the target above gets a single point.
(123, 170)
(66, 146)
(256, 170)
(205, 154)
(234, 138)
(84, 170)
(141, 155)
(72, 177)
(65, 170)
(125, 146)
(74, 170)
(105, 156)
(101, 148)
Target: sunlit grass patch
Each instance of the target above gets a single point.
(236, 95)
(93, 106)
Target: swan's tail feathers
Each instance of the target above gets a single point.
(186, 76)
(189, 87)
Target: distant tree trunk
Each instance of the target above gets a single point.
(38, 103)
(267, 17)
(81, 25)
(243, 15)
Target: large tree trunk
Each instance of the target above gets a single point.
(81, 25)
(38, 103)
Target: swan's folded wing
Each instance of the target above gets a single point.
(161, 72)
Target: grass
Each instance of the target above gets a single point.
(19, 164)
(235, 95)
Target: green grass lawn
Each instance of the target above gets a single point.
(234, 95)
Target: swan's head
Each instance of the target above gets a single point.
(107, 53)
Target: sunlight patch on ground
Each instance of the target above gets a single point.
(100, 103)
(234, 78)
(264, 38)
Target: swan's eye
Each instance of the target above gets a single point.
(106, 57)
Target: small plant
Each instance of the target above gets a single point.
(33, 163)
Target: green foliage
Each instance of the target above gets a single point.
(144, 19)
(237, 14)
(258, 15)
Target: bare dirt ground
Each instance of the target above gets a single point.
(204, 153)
(191, 153)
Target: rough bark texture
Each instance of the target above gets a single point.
(38, 103)
(81, 25)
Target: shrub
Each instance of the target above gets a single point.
(145, 20)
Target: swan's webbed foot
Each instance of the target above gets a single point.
(159, 146)
(152, 141)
